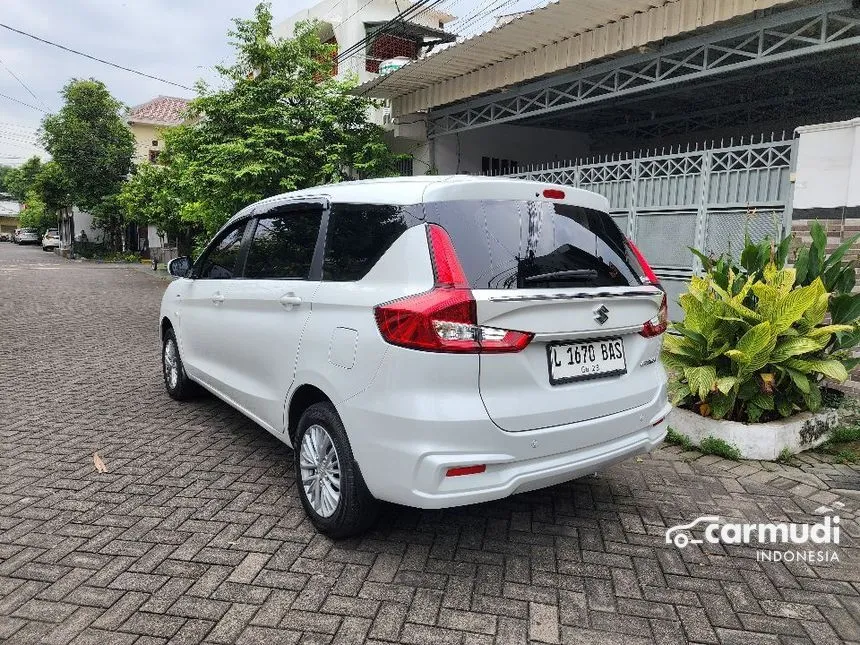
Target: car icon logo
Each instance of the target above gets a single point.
(676, 535)
(601, 314)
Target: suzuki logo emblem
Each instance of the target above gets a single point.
(601, 314)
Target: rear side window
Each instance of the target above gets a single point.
(220, 262)
(283, 246)
(358, 235)
(535, 244)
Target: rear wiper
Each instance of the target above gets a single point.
(574, 274)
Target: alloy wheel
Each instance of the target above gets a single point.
(171, 363)
(320, 470)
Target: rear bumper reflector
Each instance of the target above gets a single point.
(466, 470)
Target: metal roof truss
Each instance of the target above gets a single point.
(781, 36)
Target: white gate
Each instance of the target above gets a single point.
(706, 197)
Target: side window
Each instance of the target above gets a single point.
(220, 262)
(283, 246)
(358, 235)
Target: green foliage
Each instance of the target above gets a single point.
(91, 146)
(720, 448)
(278, 122)
(37, 215)
(847, 457)
(753, 346)
(4, 172)
(676, 438)
(785, 456)
(844, 434)
(19, 181)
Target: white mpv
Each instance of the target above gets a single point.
(431, 341)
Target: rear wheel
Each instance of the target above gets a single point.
(330, 484)
(176, 381)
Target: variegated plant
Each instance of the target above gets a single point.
(756, 351)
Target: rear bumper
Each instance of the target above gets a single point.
(404, 455)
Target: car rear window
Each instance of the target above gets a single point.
(505, 244)
(358, 235)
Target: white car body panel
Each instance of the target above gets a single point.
(410, 415)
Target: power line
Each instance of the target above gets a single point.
(411, 12)
(95, 58)
(22, 83)
(33, 107)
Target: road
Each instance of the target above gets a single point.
(195, 532)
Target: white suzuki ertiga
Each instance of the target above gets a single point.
(429, 341)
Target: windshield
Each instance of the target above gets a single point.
(535, 244)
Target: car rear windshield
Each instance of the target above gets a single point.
(506, 244)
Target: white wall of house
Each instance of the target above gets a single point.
(828, 165)
(462, 152)
(347, 18)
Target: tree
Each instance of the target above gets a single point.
(92, 147)
(279, 122)
(19, 181)
(4, 171)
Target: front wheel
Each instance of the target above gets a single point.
(176, 381)
(330, 484)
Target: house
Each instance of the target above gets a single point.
(147, 123)
(699, 120)
(9, 210)
(370, 42)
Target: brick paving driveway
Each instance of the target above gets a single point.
(195, 533)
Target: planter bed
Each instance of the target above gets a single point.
(758, 440)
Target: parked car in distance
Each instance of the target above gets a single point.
(51, 239)
(27, 236)
(5, 237)
(432, 341)
(15, 235)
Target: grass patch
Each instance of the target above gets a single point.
(720, 448)
(676, 438)
(844, 434)
(785, 456)
(847, 457)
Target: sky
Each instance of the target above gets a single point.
(178, 40)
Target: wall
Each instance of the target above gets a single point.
(144, 135)
(827, 189)
(462, 152)
(345, 19)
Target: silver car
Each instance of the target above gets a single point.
(28, 236)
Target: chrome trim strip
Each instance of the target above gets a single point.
(590, 295)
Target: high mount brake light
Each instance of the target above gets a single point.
(444, 319)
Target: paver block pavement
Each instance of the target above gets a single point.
(195, 533)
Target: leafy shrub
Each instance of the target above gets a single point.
(753, 348)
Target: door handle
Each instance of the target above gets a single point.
(217, 298)
(290, 300)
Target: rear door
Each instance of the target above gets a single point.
(564, 273)
(275, 300)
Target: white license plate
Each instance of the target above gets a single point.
(585, 360)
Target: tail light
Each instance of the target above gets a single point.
(648, 275)
(444, 319)
(658, 324)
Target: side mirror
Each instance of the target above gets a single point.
(179, 267)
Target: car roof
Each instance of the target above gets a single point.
(433, 188)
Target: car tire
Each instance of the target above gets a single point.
(176, 381)
(326, 469)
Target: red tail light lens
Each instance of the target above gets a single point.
(444, 319)
(658, 324)
(649, 277)
(553, 193)
(459, 471)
